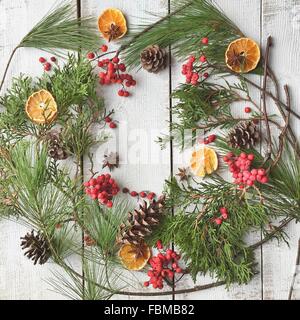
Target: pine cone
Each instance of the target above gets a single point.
(37, 247)
(154, 59)
(244, 135)
(141, 222)
(56, 149)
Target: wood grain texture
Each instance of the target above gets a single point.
(238, 12)
(280, 19)
(19, 279)
(142, 118)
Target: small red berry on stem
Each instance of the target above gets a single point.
(104, 48)
(205, 41)
(90, 55)
(203, 59)
(47, 66)
(133, 193)
(112, 125)
(108, 119)
(53, 59)
(42, 60)
(248, 109)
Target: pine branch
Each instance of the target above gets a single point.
(183, 29)
(59, 31)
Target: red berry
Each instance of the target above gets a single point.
(122, 67)
(264, 179)
(261, 172)
(146, 284)
(47, 66)
(133, 193)
(126, 94)
(205, 40)
(143, 194)
(205, 75)
(108, 119)
(251, 157)
(104, 48)
(115, 60)
(192, 59)
(42, 60)
(243, 155)
(90, 55)
(212, 138)
(178, 270)
(223, 210)
(109, 204)
(125, 190)
(218, 221)
(112, 125)
(248, 109)
(159, 244)
(53, 59)
(202, 59)
(121, 93)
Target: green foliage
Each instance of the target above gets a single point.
(60, 29)
(183, 29)
(14, 102)
(102, 224)
(207, 247)
(73, 84)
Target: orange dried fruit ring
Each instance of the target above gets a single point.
(134, 257)
(112, 24)
(242, 55)
(204, 161)
(41, 107)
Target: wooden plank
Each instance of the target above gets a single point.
(238, 11)
(281, 21)
(141, 119)
(19, 278)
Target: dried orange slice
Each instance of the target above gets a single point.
(112, 24)
(204, 161)
(41, 107)
(134, 257)
(242, 55)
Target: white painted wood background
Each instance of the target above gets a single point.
(148, 110)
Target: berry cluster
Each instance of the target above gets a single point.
(47, 65)
(210, 139)
(110, 122)
(224, 216)
(164, 266)
(240, 167)
(191, 70)
(103, 188)
(143, 194)
(113, 71)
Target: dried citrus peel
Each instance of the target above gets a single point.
(134, 257)
(112, 24)
(41, 107)
(204, 161)
(242, 55)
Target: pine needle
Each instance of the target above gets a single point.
(60, 29)
(183, 29)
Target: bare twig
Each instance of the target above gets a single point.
(7, 66)
(295, 273)
(284, 130)
(266, 62)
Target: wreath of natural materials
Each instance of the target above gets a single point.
(48, 121)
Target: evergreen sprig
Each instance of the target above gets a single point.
(183, 29)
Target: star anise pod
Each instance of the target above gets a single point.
(113, 32)
(183, 174)
(111, 161)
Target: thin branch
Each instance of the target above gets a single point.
(284, 130)
(266, 62)
(7, 66)
(296, 272)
